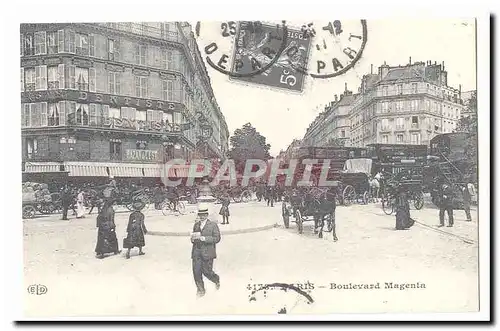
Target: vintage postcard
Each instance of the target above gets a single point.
(198, 169)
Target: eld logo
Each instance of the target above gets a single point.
(37, 289)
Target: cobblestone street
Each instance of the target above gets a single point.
(60, 255)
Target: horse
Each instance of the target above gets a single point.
(374, 187)
(321, 204)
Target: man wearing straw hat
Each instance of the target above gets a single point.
(204, 237)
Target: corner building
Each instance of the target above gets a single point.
(115, 99)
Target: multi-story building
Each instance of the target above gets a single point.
(115, 99)
(291, 151)
(404, 105)
(332, 126)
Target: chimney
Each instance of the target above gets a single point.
(345, 87)
(371, 69)
(410, 60)
(442, 64)
(336, 98)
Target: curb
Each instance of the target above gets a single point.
(187, 234)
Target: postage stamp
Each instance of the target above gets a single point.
(163, 173)
(283, 74)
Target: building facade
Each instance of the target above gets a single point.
(115, 99)
(332, 126)
(398, 105)
(404, 105)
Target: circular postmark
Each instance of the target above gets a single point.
(241, 49)
(336, 47)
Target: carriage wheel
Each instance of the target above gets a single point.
(29, 211)
(181, 207)
(167, 207)
(298, 220)
(237, 198)
(388, 206)
(366, 197)
(246, 196)
(418, 203)
(348, 195)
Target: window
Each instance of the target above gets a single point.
(82, 114)
(385, 139)
(384, 90)
(399, 105)
(53, 77)
(53, 114)
(400, 89)
(414, 121)
(385, 124)
(41, 77)
(168, 60)
(128, 113)
(29, 44)
(98, 114)
(400, 123)
(342, 134)
(165, 30)
(70, 77)
(167, 90)
(413, 105)
(415, 138)
(115, 150)
(414, 87)
(399, 138)
(82, 79)
(154, 115)
(385, 107)
(141, 87)
(31, 147)
(427, 105)
(40, 43)
(140, 115)
(69, 41)
(91, 45)
(140, 54)
(114, 82)
(114, 112)
(111, 49)
(52, 44)
(82, 44)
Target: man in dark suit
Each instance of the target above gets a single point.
(467, 200)
(205, 236)
(66, 201)
(446, 205)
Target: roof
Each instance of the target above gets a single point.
(346, 100)
(404, 73)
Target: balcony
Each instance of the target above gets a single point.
(53, 85)
(84, 51)
(385, 128)
(415, 126)
(400, 127)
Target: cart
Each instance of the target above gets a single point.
(355, 182)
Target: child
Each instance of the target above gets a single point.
(224, 210)
(135, 230)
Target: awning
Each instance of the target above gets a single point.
(126, 171)
(86, 169)
(152, 170)
(36, 167)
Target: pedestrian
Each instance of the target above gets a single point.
(224, 210)
(467, 200)
(80, 208)
(403, 219)
(106, 234)
(270, 195)
(66, 200)
(446, 204)
(204, 238)
(135, 230)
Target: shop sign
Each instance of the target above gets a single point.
(141, 155)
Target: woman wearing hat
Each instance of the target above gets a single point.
(106, 235)
(403, 219)
(224, 209)
(135, 230)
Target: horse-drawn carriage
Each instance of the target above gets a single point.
(311, 204)
(122, 196)
(355, 181)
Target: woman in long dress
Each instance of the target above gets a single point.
(80, 208)
(106, 235)
(135, 230)
(403, 219)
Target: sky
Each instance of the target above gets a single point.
(282, 116)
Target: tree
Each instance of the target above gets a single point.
(247, 143)
(468, 123)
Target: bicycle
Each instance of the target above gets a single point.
(169, 206)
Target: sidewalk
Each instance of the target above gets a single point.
(244, 218)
